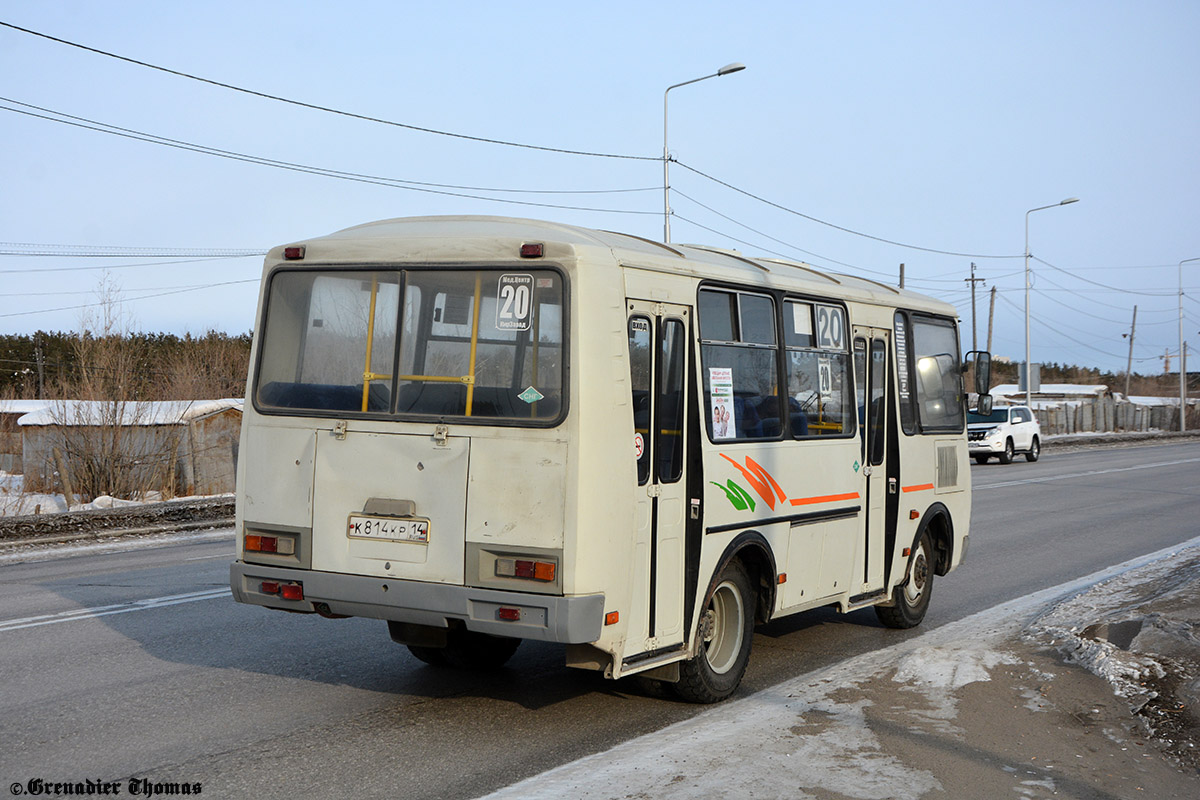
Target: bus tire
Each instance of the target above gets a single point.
(910, 600)
(468, 650)
(725, 632)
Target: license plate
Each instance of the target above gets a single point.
(393, 528)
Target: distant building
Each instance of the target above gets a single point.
(178, 447)
(10, 432)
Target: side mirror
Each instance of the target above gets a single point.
(983, 370)
(983, 378)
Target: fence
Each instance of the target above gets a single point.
(1109, 414)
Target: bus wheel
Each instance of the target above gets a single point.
(725, 631)
(910, 600)
(468, 650)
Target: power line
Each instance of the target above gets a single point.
(112, 266)
(1097, 283)
(837, 227)
(1060, 333)
(772, 238)
(395, 183)
(130, 299)
(1081, 296)
(92, 291)
(102, 251)
(326, 109)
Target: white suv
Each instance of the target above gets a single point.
(1004, 432)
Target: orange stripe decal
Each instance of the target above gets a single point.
(924, 487)
(829, 498)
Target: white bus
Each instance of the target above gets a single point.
(484, 430)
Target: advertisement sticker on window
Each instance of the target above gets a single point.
(724, 420)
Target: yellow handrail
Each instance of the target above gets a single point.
(474, 343)
(367, 374)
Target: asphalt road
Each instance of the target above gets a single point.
(138, 664)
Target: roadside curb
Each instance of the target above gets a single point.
(155, 518)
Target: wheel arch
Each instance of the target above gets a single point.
(937, 522)
(753, 550)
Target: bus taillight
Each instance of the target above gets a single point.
(526, 569)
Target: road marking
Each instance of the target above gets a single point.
(117, 608)
(1088, 474)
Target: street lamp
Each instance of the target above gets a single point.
(1028, 365)
(728, 69)
(1182, 376)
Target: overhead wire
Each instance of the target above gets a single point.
(774, 239)
(1097, 283)
(851, 231)
(316, 107)
(128, 299)
(396, 183)
(1066, 336)
(116, 266)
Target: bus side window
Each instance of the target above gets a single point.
(640, 371)
(739, 358)
(860, 389)
(669, 429)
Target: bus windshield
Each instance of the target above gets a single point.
(445, 343)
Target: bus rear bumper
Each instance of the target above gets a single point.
(569, 620)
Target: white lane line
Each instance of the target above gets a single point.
(117, 608)
(1088, 474)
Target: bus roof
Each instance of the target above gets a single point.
(409, 237)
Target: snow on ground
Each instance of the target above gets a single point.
(813, 732)
(15, 502)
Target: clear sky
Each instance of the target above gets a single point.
(936, 125)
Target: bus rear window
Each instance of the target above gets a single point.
(441, 343)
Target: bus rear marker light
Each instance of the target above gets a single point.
(509, 614)
(612, 617)
(269, 587)
(291, 591)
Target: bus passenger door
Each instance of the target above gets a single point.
(658, 354)
(871, 385)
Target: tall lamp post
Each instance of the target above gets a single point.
(1182, 374)
(725, 70)
(1028, 364)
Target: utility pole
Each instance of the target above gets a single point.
(991, 318)
(973, 280)
(1129, 367)
(901, 276)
